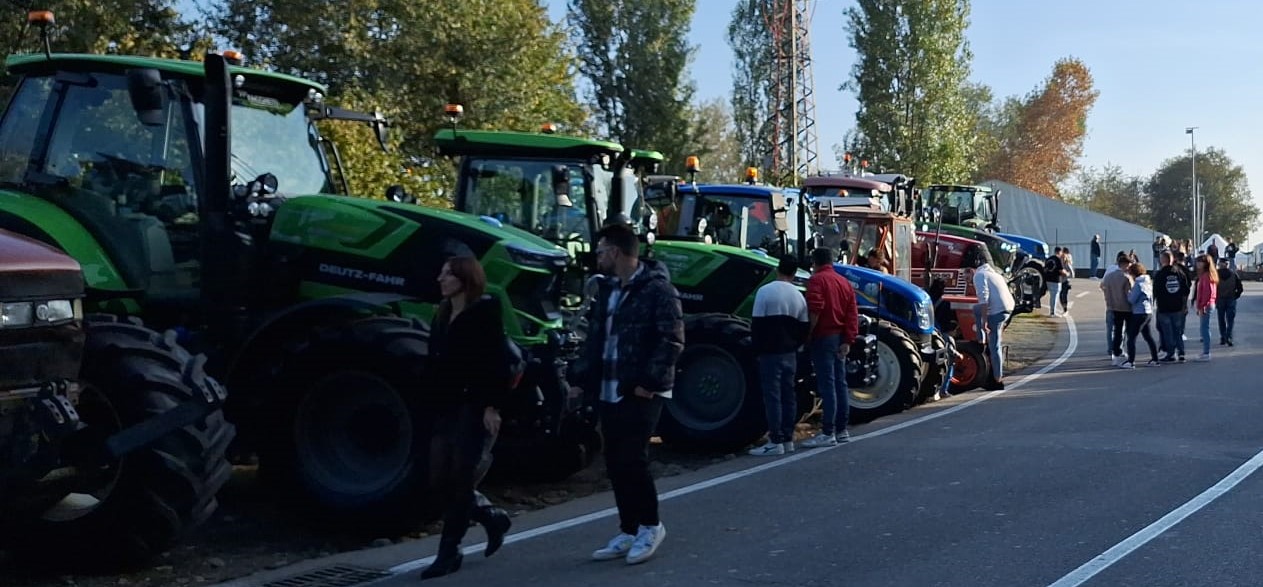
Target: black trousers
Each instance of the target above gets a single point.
(626, 427)
(1120, 326)
(460, 455)
(1138, 324)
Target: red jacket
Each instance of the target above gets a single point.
(831, 298)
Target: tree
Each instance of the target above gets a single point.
(634, 55)
(131, 27)
(503, 60)
(1112, 192)
(1040, 139)
(717, 144)
(752, 87)
(1230, 210)
(911, 79)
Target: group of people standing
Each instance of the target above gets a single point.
(1133, 298)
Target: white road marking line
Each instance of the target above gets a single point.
(1103, 561)
(799, 455)
(1081, 294)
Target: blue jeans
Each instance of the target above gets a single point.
(1096, 263)
(996, 342)
(1054, 294)
(835, 398)
(1227, 310)
(776, 371)
(1205, 330)
(1171, 332)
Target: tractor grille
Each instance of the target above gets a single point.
(954, 279)
(335, 576)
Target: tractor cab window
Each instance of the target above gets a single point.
(521, 193)
(272, 136)
(738, 221)
(959, 206)
(76, 140)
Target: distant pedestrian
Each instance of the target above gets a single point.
(778, 329)
(1229, 290)
(834, 324)
(1117, 286)
(635, 338)
(1204, 300)
(1170, 291)
(1213, 252)
(1158, 246)
(995, 305)
(1068, 260)
(946, 323)
(1141, 299)
(1231, 252)
(1096, 255)
(1133, 257)
(468, 380)
(1054, 271)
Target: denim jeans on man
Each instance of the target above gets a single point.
(1171, 332)
(995, 343)
(835, 399)
(1054, 294)
(1227, 310)
(1205, 330)
(776, 371)
(1096, 264)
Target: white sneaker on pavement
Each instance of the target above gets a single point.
(771, 449)
(1127, 365)
(820, 440)
(1202, 358)
(646, 543)
(618, 547)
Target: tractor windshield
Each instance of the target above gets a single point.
(278, 139)
(520, 192)
(738, 221)
(960, 205)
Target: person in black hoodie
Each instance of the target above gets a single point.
(1170, 290)
(468, 381)
(1230, 289)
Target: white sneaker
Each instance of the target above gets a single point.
(618, 547)
(1118, 361)
(1153, 363)
(789, 446)
(646, 543)
(1202, 358)
(1127, 365)
(842, 437)
(770, 449)
(820, 440)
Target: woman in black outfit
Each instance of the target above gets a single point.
(468, 380)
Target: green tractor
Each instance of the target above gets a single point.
(112, 437)
(564, 189)
(201, 197)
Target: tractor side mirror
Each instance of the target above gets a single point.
(380, 126)
(561, 185)
(397, 194)
(144, 88)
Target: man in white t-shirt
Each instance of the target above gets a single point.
(995, 305)
(778, 329)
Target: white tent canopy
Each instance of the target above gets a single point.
(1219, 241)
(1060, 224)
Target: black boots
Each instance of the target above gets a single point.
(447, 562)
(496, 522)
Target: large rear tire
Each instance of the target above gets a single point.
(133, 508)
(898, 377)
(973, 370)
(716, 404)
(934, 372)
(347, 442)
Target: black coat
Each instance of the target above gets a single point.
(468, 361)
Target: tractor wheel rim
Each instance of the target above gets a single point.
(966, 370)
(885, 386)
(102, 420)
(710, 388)
(353, 434)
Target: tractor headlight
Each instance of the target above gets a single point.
(25, 314)
(925, 316)
(538, 259)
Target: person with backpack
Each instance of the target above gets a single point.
(1054, 271)
(1230, 289)
(468, 379)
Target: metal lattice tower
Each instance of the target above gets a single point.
(794, 144)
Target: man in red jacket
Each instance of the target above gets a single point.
(834, 324)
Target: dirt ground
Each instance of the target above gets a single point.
(249, 533)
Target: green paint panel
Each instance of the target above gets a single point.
(336, 223)
(38, 62)
(98, 270)
(477, 142)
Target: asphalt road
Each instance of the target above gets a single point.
(1020, 489)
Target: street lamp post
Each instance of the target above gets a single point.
(1197, 207)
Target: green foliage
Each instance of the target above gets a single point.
(1112, 192)
(503, 60)
(911, 79)
(130, 27)
(634, 53)
(1230, 211)
(717, 145)
(752, 87)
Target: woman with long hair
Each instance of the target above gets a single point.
(468, 381)
(1204, 299)
(1141, 298)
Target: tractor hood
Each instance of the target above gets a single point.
(905, 304)
(31, 270)
(1033, 246)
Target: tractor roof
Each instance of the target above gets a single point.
(648, 156)
(845, 181)
(740, 190)
(522, 144)
(37, 62)
(952, 187)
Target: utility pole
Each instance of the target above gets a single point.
(1197, 205)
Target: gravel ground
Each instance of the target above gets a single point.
(249, 533)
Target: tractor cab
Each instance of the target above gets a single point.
(854, 218)
(964, 205)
